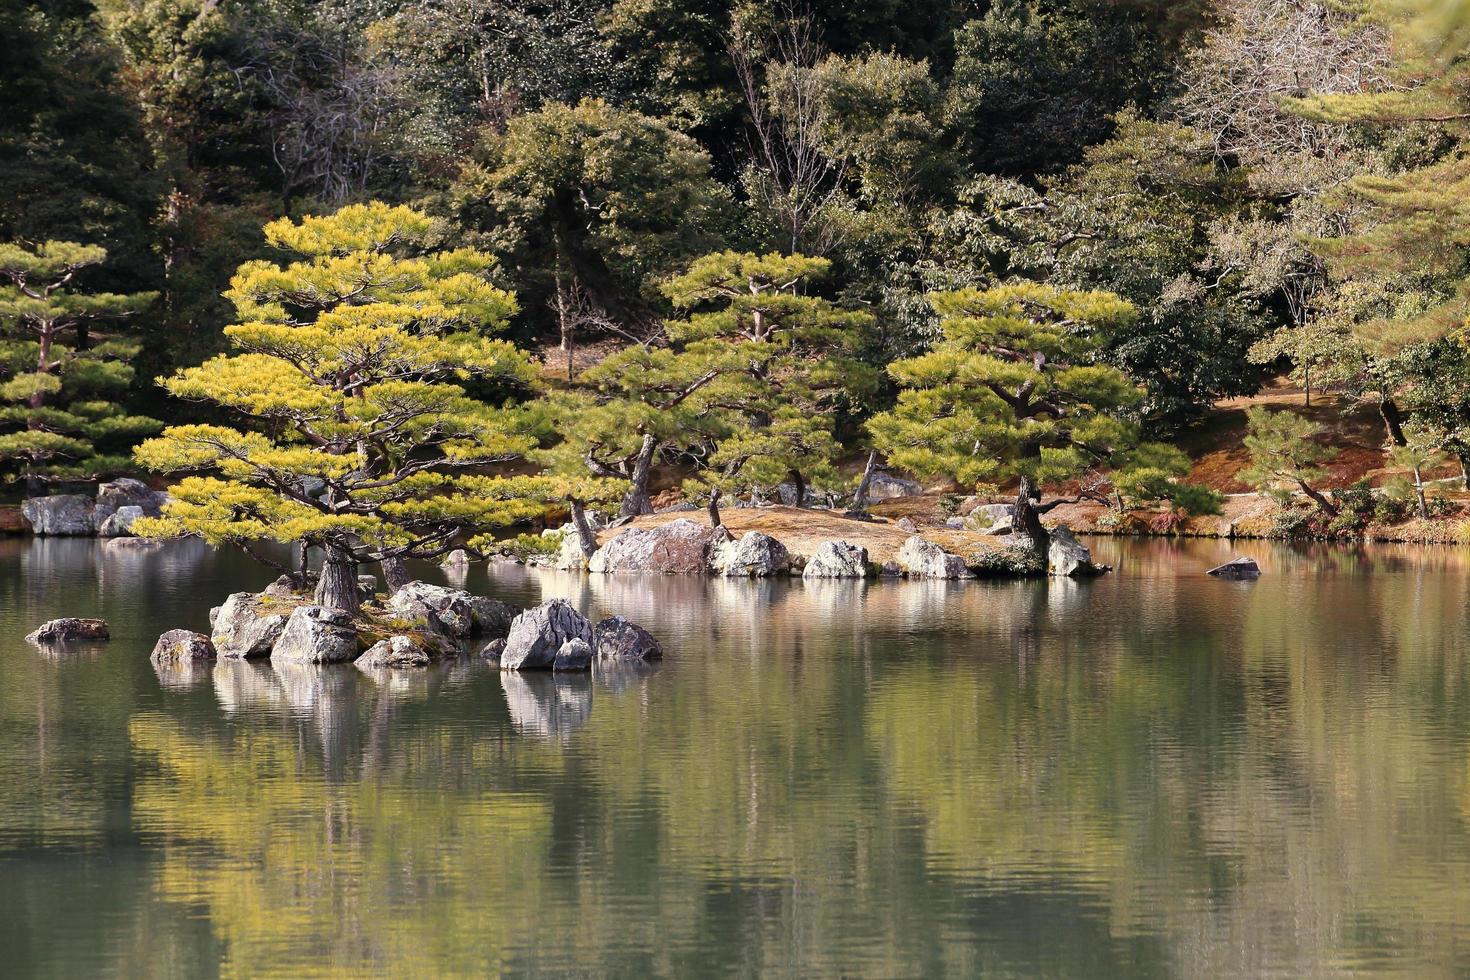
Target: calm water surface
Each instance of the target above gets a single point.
(1155, 773)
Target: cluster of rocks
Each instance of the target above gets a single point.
(418, 625)
(110, 514)
(685, 547)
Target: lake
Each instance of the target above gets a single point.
(1155, 773)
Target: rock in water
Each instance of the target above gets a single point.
(620, 640)
(886, 486)
(62, 515)
(537, 635)
(837, 559)
(925, 559)
(1067, 556)
(491, 651)
(1237, 568)
(452, 611)
(396, 651)
(317, 635)
(575, 654)
(755, 555)
(124, 492)
(70, 630)
(182, 646)
(680, 547)
(247, 625)
(458, 558)
(119, 524)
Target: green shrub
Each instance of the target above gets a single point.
(1291, 523)
(1358, 498)
(1016, 561)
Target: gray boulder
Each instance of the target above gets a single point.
(538, 633)
(907, 524)
(367, 586)
(680, 547)
(491, 651)
(620, 640)
(575, 654)
(395, 651)
(61, 515)
(119, 524)
(458, 558)
(1237, 569)
(886, 486)
(570, 558)
(454, 612)
(247, 625)
(69, 630)
(997, 519)
(1066, 556)
(925, 559)
(126, 492)
(317, 635)
(182, 646)
(755, 555)
(837, 559)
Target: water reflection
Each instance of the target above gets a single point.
(1153, 773)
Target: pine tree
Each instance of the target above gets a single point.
(66, 365)
(1286, 456)
(1009, 393)
(357, 435)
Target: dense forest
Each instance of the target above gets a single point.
(749, 244)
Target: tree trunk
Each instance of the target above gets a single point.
(1319, 498)
(1392, 421)
(1028, 518)
(637, 501)
(1307, 383)
(1464, 473)
(337, 588)
(860, 496)
(799, 484)
(395, 573)
(1419, 493)
(586, 539)
(714, 508)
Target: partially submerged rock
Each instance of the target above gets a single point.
(70, 630)
(395, 651)
(1237, 569)
(458, 558)
(680, 547)
(925, 559)
(120, 523)
(622, 641)
(837, 559)
(61, 515)
(574, 654)
(1066, 556)
(247, 625)
(491, 651)
(182, 646)
(126, 492)
(537, 634)
(317, 635)
(452, 611)
(755, 555)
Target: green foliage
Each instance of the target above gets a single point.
(357, 434)
(1285, 454)
(67, 366)
(1008, 392)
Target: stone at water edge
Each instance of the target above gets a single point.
(925, 559)
(61, 515)
(127, 492)
(574, 654)
(69, 630)
(243, 627)
(538, 633)
(182, 646)
(1237, 569)
(458, 558)
(454, 611)
(620, 640)
(317, 635)
(680, 547)
(837, 559)
(395, 651)
(491, 651)
(119, 524)
(1066, 556)
(755, 555)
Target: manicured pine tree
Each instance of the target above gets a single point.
(355, 433)
(66, 364)
(1286, 456)
(1008, 393)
